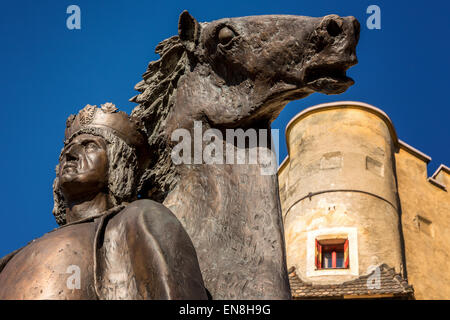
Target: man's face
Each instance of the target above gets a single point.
(83, 167)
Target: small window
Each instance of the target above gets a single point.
(332, 254)
(374, 166)
(331, 160)
(425, 225)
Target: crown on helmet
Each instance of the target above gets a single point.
(108, 117)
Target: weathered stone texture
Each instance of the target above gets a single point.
(427, 248)
(340, 174)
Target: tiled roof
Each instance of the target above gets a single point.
(390, 284)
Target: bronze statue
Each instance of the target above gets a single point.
(118, 247)
(235, 73)
(226, 74)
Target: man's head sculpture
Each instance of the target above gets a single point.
(104, 151)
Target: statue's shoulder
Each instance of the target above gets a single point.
(5, 259)
(147, 205)
(150, 215)
(147, 238)
(146, 209)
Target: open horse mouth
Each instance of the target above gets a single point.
(329, 79)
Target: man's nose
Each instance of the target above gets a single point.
(72, 154)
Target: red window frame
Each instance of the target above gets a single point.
(321, 247)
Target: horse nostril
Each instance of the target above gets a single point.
(333, 28)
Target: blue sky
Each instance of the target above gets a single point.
(49, 72)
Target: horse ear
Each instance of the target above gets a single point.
(188, 30)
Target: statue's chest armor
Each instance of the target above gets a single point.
(58, 265)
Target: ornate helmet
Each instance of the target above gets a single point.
(118, 122)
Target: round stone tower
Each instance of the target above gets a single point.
(340, 199)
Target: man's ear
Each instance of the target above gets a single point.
(188, 30)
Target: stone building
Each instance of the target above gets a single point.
(362, 218)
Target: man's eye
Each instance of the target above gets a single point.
(90, 145)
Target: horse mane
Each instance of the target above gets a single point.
(156, 100)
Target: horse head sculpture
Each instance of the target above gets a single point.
(236, 73)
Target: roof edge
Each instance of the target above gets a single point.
(442, 167)
(419, 154)
(283, 163)
(437, 184)
(343, 104)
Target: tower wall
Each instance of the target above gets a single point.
(425, 207)
(339, 182)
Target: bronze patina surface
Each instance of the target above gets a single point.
(124, 248)
(236, 73)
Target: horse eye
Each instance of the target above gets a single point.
(225, 35)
